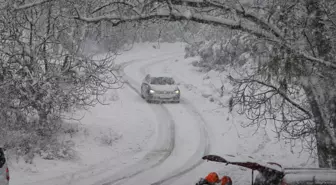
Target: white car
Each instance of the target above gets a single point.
(4, 172)
(162, 89)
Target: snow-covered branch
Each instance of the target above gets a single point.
(248, 21)
(241, 12)
(176, 16)
(132, 6)
(244, 13)
(29, 5)
(206, 19)
(317, 60)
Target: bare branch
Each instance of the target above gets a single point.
(280, 92)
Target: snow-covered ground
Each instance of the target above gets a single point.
(132, 142)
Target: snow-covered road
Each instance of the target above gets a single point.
(188, 134)
(162, 144)
(196, 126)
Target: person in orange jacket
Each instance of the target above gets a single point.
(226, 180)
(213, 179)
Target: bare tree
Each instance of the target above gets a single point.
(293, 82)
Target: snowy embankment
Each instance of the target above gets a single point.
(108, 136)
(112, 137)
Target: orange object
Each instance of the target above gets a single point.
(212, 177)
(226, 180)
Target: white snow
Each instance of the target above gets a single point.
(109, 137)
(310, 175)
(197, 126)
(187, 14)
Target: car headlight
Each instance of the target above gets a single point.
(177, 91)
(151, 91)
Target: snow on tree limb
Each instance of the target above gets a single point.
(247, 23)
(29, 5)
(235, 25)
(314, 59)
(243, 13)
(176, 16)
(118, 2)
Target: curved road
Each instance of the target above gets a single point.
(204, 144)
(182, 140)
(183, 136)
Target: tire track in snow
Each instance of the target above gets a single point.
(203, 148)
(196, 159)
(163, 147)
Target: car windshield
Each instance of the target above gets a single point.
(162, 81)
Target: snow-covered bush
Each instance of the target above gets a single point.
(109, 138)
(116, 38)
(220, 54)
(22, 138)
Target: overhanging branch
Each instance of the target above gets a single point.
(280, 92)
(176, 16)
(243, 13)
(132, 6)
(210, 20)
(30, 5)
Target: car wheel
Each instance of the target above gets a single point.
(176, 101)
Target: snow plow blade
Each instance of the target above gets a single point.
(269, 167)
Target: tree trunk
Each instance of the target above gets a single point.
(332, 111)
(42, 123)
(325, 149)
(322, 46)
